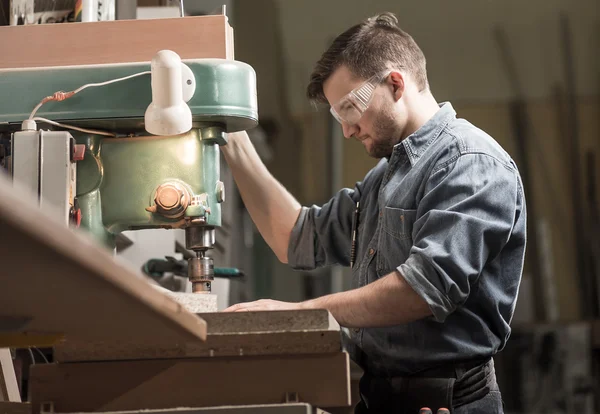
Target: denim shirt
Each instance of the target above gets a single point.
(447, 211)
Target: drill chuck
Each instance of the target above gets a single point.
(201, 273)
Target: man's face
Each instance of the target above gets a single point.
(379, 127)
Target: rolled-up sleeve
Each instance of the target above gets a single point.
(464, 220)
(321, 235)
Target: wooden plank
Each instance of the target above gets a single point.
(55, 280)
(9, 389)
(229, 334)
(279, 343)
(320, 380)
(114, 41)
(285, 408)
(270, 321)
(15, 408)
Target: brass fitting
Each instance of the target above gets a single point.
(171, 200)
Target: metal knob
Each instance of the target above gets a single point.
(171, 200)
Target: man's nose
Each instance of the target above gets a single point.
(349, 130)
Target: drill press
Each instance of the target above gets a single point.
(133, 155)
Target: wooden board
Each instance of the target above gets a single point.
(9, 389)
(229, 334)
(56, 281)
(15, 408)
(320, 380)
(284, 408)
(270, 321)
(114, 41)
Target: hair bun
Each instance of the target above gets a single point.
(387, 19)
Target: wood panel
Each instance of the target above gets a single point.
(114, 41)
(229, 334)
(57, 281)
(321, 380)
(9, 389)
(15, 408)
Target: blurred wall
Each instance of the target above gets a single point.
(456, 37)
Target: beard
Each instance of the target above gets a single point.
(386, 136)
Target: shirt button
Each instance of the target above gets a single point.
(371, 251)
(402, 217)
(356, 330)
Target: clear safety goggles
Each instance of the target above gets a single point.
(351, 107)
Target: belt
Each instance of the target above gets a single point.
(450, 386)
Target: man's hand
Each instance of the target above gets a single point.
(385, 302)
(263, 305)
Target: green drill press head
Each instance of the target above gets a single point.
(136, 180)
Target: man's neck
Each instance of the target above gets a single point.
(422, 108)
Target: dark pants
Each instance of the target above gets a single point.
(490, 404)
(463, 388)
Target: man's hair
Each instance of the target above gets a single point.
(369, 48)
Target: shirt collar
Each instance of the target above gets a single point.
(417, 142)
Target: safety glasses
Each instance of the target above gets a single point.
(351, 107)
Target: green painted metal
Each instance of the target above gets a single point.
(225, 94)
(118, 178)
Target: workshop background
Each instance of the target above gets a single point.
(526, 72)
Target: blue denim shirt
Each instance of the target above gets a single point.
(447, 211)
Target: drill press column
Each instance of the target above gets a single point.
(200, 268)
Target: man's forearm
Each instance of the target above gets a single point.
(388, 301)
(272, 208)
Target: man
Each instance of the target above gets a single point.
(440, 233)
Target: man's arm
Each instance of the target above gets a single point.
(388, 301)
(466, 218)
(272, 208)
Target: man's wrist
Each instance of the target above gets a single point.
(237, 137)
(307, 304)
(317, 303)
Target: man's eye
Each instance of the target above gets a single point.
(347, 106)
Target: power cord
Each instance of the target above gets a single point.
(29, 124)
(61, 96)
(89, 131)
(42, 354)
(32, 356)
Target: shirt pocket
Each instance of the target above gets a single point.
(396, 238)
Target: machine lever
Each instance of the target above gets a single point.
(157, 267)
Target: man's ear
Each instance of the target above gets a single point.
(396, 80)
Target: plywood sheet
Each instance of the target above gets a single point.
(54, 281)
(320, 380)
(287, 408)
(9, 389)
(114, 41)
(15, 408)
(229, 334)
(270, 321)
